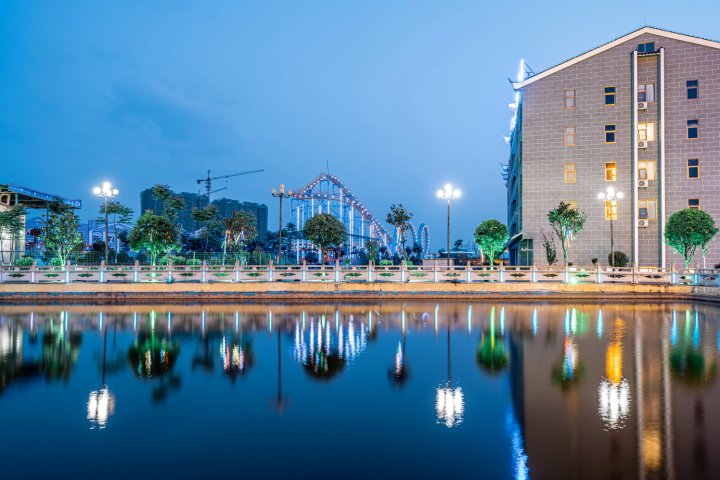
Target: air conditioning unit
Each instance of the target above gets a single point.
(642, 105)
(643, 223)
(642, 183)
(642, 144)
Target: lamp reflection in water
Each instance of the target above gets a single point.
(614, 390)
(449, 402)
(101, 403)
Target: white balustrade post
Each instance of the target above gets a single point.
(337, 270)
(203, 272)
(634, 272)
(598, 272)
(136, 270)
(502, 272)
(169, 271)
(566, 273)
(370, 271)
(271, 267)
(303, 273)
(435, 271)
(533, 273)
(468, 273)
(403, 271)
(102, 271)
(67, 271)
(237, 271)
(33, 272)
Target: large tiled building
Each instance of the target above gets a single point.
(641, 114)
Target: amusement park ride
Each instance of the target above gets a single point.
(328, 194)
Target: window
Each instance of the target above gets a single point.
(646, 92)
(693, 168)
(572, 203)
(646, 170)
(646, 132)
(647, 209)
(609, 133)
(609, 95)
(569, 99)
(610, 171)
(648, 47)
(694, 203)
(693, 89)
(610, 209)
(570, 173)
(693, 127)
(570, 136)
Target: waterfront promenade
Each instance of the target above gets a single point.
(205, 282)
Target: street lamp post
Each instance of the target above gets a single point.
(610, 195)
(106, 191)
(449, 193)
(280, 194)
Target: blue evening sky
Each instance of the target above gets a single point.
(398, 96)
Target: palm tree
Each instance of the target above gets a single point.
(399, 217)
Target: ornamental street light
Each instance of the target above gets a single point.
(106, 191)
(449, 193)
(280, 193)
(610, 197)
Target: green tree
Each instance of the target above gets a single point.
(61, 233)
(567, 222)
(212, 228)
(688, 230)
(117, 213)
(550, 250)
(240, 229)
(372, 248)
(12, 225)
(399, 217)
(491, 237)
(154, 233)
(325, 231)
(171, 202)
(458, 245)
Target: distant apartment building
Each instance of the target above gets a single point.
(226, 207)
(641, 114)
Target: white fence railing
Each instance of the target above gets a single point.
(237, 273)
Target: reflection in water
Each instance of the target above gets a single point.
(323, 350)
(449, 401)
(614, 389)
(639, 383)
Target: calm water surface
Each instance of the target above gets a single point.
(386, 390)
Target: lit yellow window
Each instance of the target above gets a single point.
(610, 171)
(647, 209)
(569, 99)
(610, 209)
(646, 132)
(570, 136)
(646, 170)
(570, 174)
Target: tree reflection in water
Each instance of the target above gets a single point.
(237, 356)
(690, 362)
(152, 357)
(490, 353)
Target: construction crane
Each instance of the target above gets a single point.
(208, 180)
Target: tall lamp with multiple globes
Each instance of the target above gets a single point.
(280, 194)
(106, 191)
(448, 193)
(611, 196)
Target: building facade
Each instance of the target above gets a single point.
(226, 207)
(640, 114)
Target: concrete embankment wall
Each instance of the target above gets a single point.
(179, 292)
